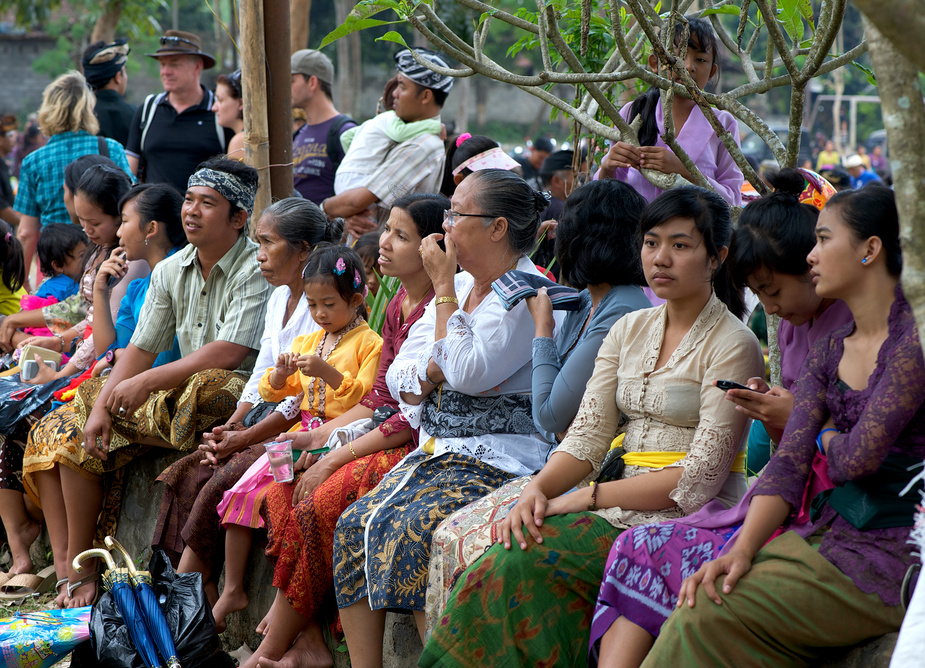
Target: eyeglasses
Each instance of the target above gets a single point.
(172, 40)
(450, 216)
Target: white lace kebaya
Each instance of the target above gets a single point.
(673, 409)
(485, 353)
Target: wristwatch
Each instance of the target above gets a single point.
(111, 356)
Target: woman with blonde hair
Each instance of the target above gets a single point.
(66, 118)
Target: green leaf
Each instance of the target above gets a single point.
(351, 26)
(393, 36)
(871, 77)
(725, 9)
(791, 18)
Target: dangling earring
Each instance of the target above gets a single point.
(146, 242)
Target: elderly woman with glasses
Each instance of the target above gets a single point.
(465, 382)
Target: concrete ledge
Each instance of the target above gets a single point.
(402, 646)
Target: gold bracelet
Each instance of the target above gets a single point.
(446, 299)
(352, 452)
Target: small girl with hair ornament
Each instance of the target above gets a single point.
(335, 367)
(13, 275)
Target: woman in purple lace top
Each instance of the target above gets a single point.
(860, 400)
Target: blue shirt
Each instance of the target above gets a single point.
(41, 178)
(60, 287)
(863, 179)
(127, 320)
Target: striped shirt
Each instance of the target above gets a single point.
(228, 306)
(414, 166)
(41, 178)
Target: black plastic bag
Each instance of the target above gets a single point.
(188, 613)
(18, 399)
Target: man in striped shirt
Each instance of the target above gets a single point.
(210, 296)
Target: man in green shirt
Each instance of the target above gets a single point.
(212, 298)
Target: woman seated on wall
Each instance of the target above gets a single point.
(151, 230)
(767, 255)
(859, 400)
(188, 528)
(464, 377)
(598, 251)
(301, 517)
(532, 604)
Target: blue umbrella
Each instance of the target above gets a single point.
(116, 581)
(147, 599)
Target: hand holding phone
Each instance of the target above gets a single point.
(726, 385)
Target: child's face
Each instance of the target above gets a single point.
(73, 266)
(372, 279)
(327, 308)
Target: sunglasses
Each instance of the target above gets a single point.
(172, 40)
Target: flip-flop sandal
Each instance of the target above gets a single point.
(20, 587)
(74, 586)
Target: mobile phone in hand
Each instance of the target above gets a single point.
(115, 279)
(726, 385)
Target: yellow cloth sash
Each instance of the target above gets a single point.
(656, 460)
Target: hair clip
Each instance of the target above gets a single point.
(340, 266)
(462, 138)
(7, 237)
(357, 281)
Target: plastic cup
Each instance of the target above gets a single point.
(280, 455)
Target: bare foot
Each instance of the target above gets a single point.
(61, 590)
(83, 595)
(264, 624)
(21, 538)
(230, 601)
(308, 651)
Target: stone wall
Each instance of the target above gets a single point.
(22, 86)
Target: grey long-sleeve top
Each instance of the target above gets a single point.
(561, 368)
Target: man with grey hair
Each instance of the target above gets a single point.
(316, 147)
(413, 166)
(173, 131)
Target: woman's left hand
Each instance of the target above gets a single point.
(51, 343)
(573, 502)
(440, 266)
(540, 308)
(312, 479)
(662, 159)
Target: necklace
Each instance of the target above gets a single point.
(321, 384)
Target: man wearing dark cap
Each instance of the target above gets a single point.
(316, 147)
(532, 163)
(104, 69)
(173, 131)
(415, 165)
(7, 140)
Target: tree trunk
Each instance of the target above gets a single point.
(279, 96)
(254, 84)
(299, 13)
(900, 21)
(105, 27)
(349, 66)
(462, 90)
(904, 120)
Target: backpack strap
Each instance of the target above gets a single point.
(102, 146)
(147, 116)
(334, 150)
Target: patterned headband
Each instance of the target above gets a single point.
(493, 158)
(105, 63)
(228, 186)
(422, 76)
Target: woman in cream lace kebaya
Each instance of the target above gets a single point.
(531, 604)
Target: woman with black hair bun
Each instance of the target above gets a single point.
(860, 400)
(598, 252)
(767, 254)
(532, 603)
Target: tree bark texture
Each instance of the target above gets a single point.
(105, 27)
(904, 120)
(279, 96)
(299, 12)
(254, 83)
(900, 21)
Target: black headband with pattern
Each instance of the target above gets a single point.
(106, 62)
(228, 186)
(407, 65)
